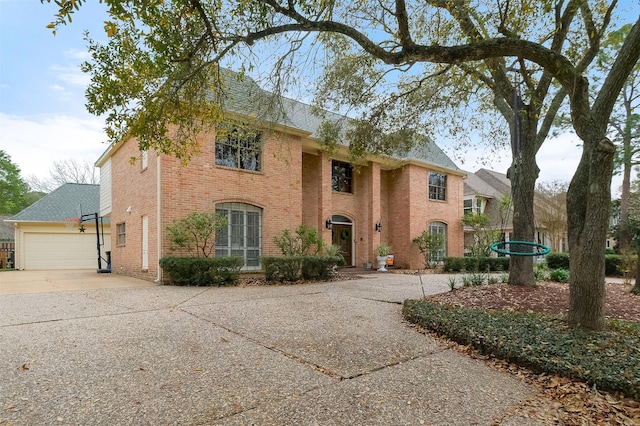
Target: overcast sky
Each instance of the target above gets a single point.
(42, 113)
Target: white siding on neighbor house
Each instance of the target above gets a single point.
(55, 247)
(105, 188)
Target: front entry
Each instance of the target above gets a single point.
(342, 236)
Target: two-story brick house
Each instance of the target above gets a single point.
(271, 175)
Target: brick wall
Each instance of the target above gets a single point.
(292, 188)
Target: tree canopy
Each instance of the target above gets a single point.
(13, 190)
(158, 79)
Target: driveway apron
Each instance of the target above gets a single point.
(336, 353)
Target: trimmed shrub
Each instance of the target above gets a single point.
(608, 360)
(559, 275)
(476, 264)
(557, 261)
(202, 271)
(453, 264)
(318, 267)
(613, 265)
(281, 268)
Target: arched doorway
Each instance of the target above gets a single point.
(342, 236)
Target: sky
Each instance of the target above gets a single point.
(43, 118)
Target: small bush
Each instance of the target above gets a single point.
(557, 261)
(318, 267)
(452, 283)
(559, 275)
(303, 241)
(608, 360)
(540, 272)
(613, 265)
(493, 279)
(477, 279)
(281, 268)
(202, 271)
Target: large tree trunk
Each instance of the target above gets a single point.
(588, 208)
(523, 174)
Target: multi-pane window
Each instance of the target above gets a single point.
(341, 176)
(239, 148)
(468, 206)
(437, 186)
(121, 234)
(439, 253)
(473, 207)
(242, 236)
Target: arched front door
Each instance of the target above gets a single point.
(342, 236)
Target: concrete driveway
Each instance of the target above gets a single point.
(333, 353)
(20, 282)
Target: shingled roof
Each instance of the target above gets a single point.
(244, 96)
(68, 201)
(487, 183)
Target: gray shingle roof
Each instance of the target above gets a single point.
(69, 200)
(244, 96)
(487, 183)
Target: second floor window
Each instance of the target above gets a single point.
(437, 186)
(341, 177)
(239, 148)
(469, 206)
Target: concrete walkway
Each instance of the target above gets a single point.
(333, 353)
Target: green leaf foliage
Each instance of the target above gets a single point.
(195, 234)
(303, 241)
(609, 360)
(202, 271)
(13, 190)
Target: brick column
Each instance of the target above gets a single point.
(324, 197)
(375, 211)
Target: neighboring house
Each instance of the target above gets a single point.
(48, 234)
(483, 193)
(271, 175)
(7, 244)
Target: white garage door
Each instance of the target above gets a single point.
(60, 251)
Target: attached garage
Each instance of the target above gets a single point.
(43, 239)
(60, 251)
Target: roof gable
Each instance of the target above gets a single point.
(487, 183)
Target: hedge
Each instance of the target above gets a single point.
(476, 264)
(202, 271)
(612, 263)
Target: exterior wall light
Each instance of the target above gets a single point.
(328, 224)
(378, 227)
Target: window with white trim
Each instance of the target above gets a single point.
(242, 236)
(437, 186)
(121, 234)
(468, 206)
(440, 253)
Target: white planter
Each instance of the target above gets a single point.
(382, 263)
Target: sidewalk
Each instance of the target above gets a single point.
(333, 353)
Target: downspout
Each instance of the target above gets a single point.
(158, 217)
